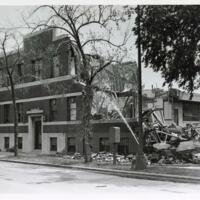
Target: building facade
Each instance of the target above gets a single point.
(176, 106)
(49, 101)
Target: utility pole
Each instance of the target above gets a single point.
(140, 160)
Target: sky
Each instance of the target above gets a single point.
(12, 16)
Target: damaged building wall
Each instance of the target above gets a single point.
(177, 106)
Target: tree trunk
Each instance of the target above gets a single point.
(15, 118)
(86, 117)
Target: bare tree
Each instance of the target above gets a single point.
(8, 62)
(92, 32)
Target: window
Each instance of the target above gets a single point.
(19, 71)
(71, 144)
(104, 144)
(191, 111)
(56, 66)
(52, 109)
(4, 79)
(6, 142)
(72, 66)
(1, 78)
(20, 112)
(71, 108)
(123, 147)
(72, 63)
(6, 113)
(20, 142)
(37, 69)
(53, 144)
(167, 110)
(7, 80)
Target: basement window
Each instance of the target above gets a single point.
(20, 142)
(123, 147)
(104, 144)
(6, 142)
(53, 143)
(71, 144)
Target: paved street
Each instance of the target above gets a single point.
(19, 179)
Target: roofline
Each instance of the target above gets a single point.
(28, 35)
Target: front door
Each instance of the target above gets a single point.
(37, 133)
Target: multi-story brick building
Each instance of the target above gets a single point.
(48, 98)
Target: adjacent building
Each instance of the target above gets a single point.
(175, 105)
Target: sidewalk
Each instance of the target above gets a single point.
(187, 173)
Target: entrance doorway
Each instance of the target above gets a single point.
(37, 124)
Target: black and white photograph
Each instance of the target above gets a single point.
(99, 100)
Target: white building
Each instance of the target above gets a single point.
(176, 105)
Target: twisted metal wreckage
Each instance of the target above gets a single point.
(169, 144)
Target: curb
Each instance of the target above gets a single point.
(121, 173)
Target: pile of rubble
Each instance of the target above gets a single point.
(100, 158)
(170, 144)
(106, 157)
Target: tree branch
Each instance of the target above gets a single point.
(103, 40)
(99, 70)
(97, 21)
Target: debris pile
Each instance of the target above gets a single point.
(169, 144)
(105, 157)
(64, 154)
(100, 158)
(76, 156)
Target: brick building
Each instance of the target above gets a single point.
(48, 98)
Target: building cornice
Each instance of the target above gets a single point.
(12, 124)
(101, 121)
(57, 123)
(43, 98)
(40, 82)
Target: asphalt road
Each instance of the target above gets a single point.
(21, 181)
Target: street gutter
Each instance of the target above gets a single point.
(121, 173)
